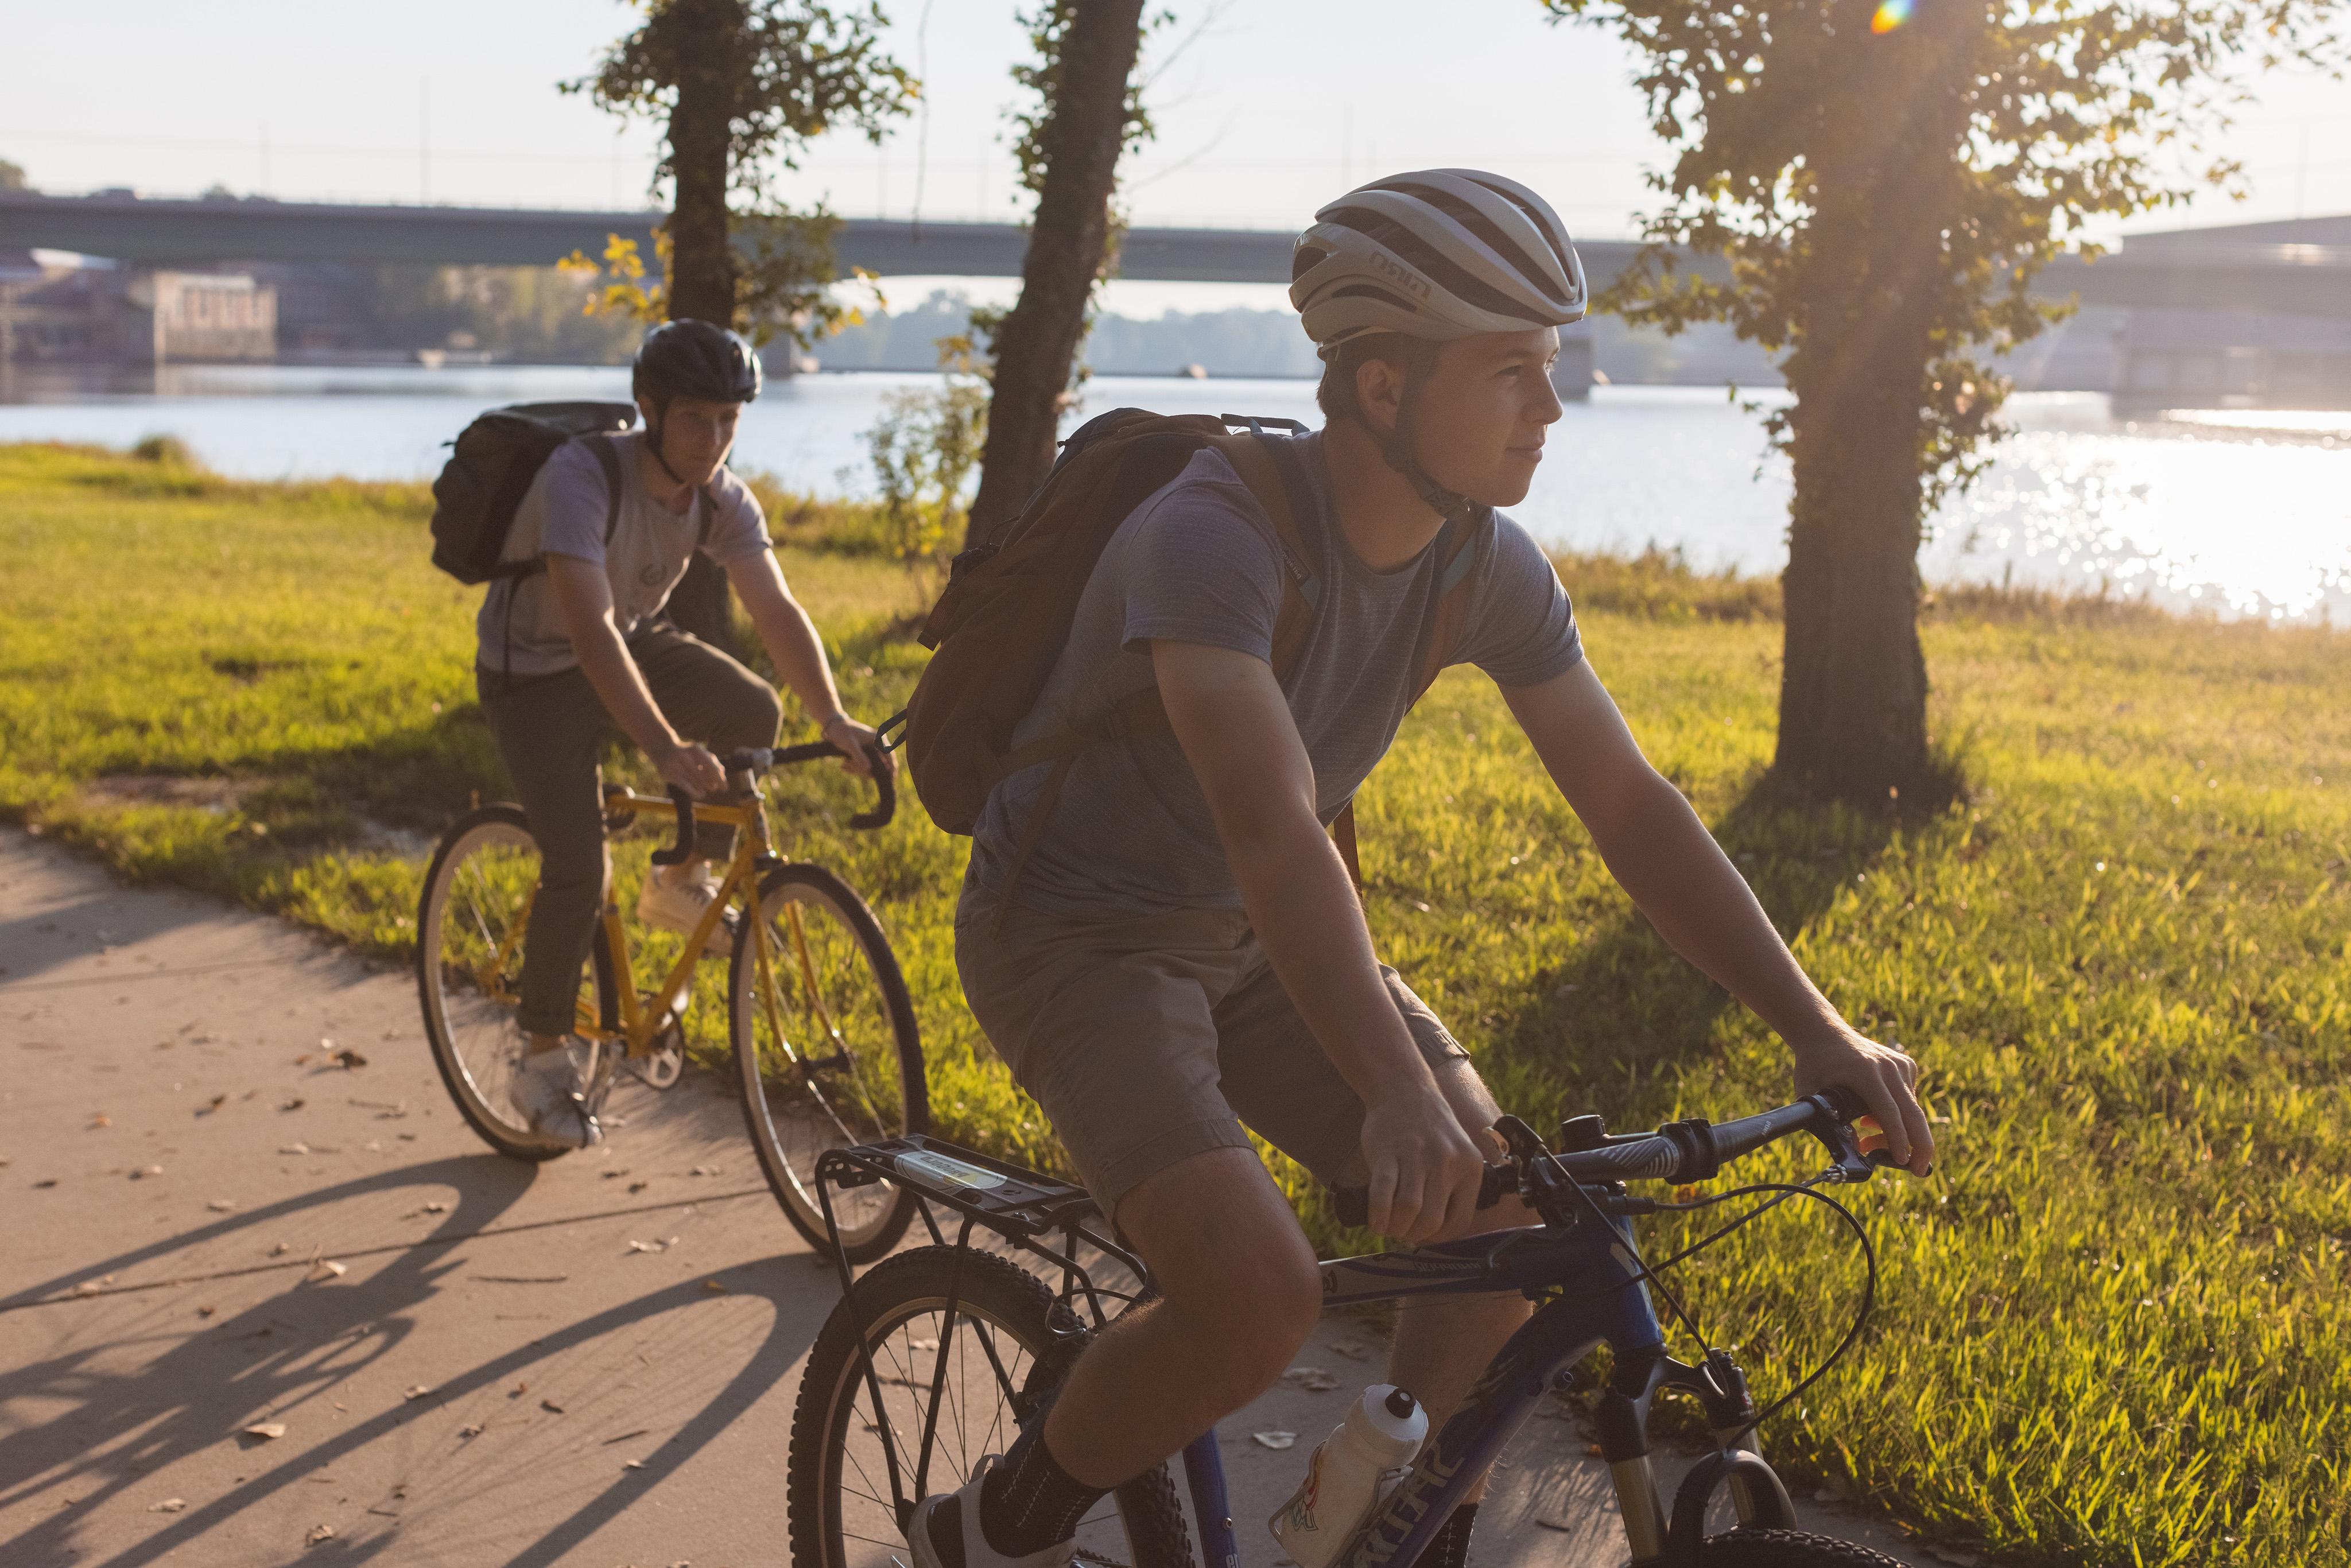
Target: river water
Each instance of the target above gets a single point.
(2240, 514)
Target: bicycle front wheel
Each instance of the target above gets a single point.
(1008, 1347)
(471, 922)
(825, 1041)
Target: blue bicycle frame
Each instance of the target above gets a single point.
(1586, 1274)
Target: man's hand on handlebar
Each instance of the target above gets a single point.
(858, 744)
(1886, 1079)
(1425, 1169)
(691, 768)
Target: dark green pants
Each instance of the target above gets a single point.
(551, 730)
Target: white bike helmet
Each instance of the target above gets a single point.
(1436, 255)
(1432, 255)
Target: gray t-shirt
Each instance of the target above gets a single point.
(564, 512)
(1199, 562)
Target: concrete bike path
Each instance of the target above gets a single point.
(587, 1362)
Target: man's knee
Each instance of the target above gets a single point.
(1230, 1263)
(752, 716)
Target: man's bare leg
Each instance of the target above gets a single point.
(1239, 1294)
(1443, 1342)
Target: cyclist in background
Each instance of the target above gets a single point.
(570, 653)
(1183, 951)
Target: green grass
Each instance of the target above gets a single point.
(2114, 1328)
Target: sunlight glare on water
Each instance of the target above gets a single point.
(2236, 512)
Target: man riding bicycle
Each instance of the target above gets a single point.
(570, 652)
(1163, 942)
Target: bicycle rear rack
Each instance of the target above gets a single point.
(1025, 1208)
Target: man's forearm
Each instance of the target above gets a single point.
(790, 638)
(1663, 856)
(617, 682)
(1303, 906)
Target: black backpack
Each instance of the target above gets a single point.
(495, 458)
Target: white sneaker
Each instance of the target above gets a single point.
(976, 1551)
(678, 906)
(547, 1090)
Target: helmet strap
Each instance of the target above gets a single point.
(1396, 448)
(653, 429)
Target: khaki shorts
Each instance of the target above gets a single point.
(1150, 1039)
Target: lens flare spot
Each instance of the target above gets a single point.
(1890, 15)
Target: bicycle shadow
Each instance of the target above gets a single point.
(1625, 1007)
(282, 1358)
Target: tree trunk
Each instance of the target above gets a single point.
(1081, 139)
(702, 263)
(1853, 680)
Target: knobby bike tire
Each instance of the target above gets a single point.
(834, 1391)
(462, 839)
(795, 1190)
(1787, 1549)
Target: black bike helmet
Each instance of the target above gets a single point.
(687, 358)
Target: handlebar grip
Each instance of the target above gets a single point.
(1849, 1108)
(681, 852)
(1352, 1205)
(885, 793)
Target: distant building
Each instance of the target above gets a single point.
(66, 309)
(173, 317)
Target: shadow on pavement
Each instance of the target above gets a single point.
(285, 1356)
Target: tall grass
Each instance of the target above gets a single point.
(2113, 1327)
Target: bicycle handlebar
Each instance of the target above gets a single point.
(885, 791)
(1685, 1151)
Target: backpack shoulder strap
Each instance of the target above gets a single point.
(608, 458)
(1268, 466)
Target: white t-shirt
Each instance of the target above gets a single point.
(563, 513)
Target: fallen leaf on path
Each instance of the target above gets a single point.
(215, 1103)
(327, 1268)
(169, 1505)
(550, 1405)
(100, 1119)
(145, 1171)
(471, 1430)
(1553, 1523)
(349, 1057)
(45, 1181)
(280, 1250)
(296, 1104)
(437, 1208)
(705, 1170)
(222, 1206)
(1312, 1379)
(653, 1246)
(626, 1435)
(919, 1343)
(87, 1288)
(1277, 1441)
(318, 1533)
(610, 1174)
(632, 1464)
(1353, 1349)
(416, 1391)
(293, 1148)
(265, 1430)
(637, 1186)
(713, 1286)
(206, 1311)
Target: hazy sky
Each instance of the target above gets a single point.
(1266, 108)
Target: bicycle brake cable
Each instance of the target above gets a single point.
(1786, 1190)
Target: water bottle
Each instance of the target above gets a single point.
(1351, 1472)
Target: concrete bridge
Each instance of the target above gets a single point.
(2245, 268)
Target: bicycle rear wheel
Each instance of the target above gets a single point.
(825, 1041)
(1004, 1356)
(471, 920)
(1786, 1549)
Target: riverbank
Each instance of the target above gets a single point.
(2116, 1320)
